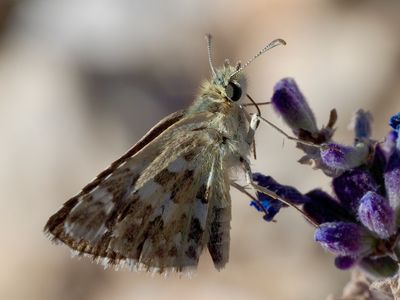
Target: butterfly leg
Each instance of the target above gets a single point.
(289, 137)
(243, 190)
(253, 125)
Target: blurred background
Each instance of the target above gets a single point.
(81, 81)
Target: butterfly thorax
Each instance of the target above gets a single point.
(227, 117)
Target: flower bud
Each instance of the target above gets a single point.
(272, 206)
(269, 206)
(344, 238)
(376, 214)
(394, 122)
(389, 146)
(322, 208)
(362, 125)
(340, 157)
(392, 180)
(345, 262)
(352, 185)
(289, 102)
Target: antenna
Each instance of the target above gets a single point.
(208, 38)
(271, 45)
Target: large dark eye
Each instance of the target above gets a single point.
(233, 91)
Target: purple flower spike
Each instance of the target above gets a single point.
(362, 124)
(352, 185)
(345, 262)
(289, 102)
(344, 238)
(392, 180)
(341, 158)
(376, 214)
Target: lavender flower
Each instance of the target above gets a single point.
(390, 144)
(344, 238)
(352, 185)
(345, 262)
(359, 223)
(267, 205)
(341, 157)
(290, 103)
(370, 192)
(322, 208)
(392, 180)
(394, 122)
(272, 206)
(289, 193)
(376, 214)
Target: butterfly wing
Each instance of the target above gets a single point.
(168, 228)
(151, 208)
(106, 193)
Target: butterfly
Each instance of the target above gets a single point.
(167, 199)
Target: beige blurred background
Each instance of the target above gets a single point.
(82, 80)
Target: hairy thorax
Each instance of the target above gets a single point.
(227, 121)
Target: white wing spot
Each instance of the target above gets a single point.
(148, 189)
(169, 208)
(104, 197)
(166, 208)
(177, 239)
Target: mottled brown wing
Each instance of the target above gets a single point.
(218, 225)
(165, 228)
(116, 180)
(150, 209)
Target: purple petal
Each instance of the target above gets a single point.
(394, 122)
(389, 146)
(344, 238)
(287, 192)
(392, 180)
(269, 206)
(352, 185)
(340, 157)
(289, 102)
(345, 262)
(322, 208)
(376, 214)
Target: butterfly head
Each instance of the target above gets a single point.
(230, 79)
(231, 84)
(227, 85)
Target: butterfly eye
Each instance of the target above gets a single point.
(233, 91)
